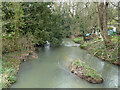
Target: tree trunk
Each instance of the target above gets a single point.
(16, 22)
(102, 21)
(118, 31)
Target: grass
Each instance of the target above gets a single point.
(78, 40)
(10, 67)
(91, 72)
(83, 46)
(88, 71)
(8, 76)
(98, 49)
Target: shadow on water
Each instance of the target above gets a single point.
(50, 70)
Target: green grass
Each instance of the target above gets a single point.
(88, 71)
(8, 76)
(98, 49)
(78, 40)
(83, 45)
(10, 67)
(10, 64)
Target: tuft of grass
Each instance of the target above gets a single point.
(8, 76)
(88, 71)
(78, 40)
(83, 46)
(10, 67)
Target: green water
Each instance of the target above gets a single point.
(50, 69)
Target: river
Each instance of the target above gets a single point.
(50, 69)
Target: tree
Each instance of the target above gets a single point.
(42, 22)
(102, 20)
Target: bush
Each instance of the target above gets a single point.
(24, 42)
(7, 45)
(55, 42)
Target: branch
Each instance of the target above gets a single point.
(115, 19)
(113, 4)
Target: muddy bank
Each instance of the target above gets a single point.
(83, 71)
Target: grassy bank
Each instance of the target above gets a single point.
(10, 66)
(97, 48)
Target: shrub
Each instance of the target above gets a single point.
(55, 42)
(7, 45)
(24, 42)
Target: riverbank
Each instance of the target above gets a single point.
(50, 69)
(11, 65)
(97, 48)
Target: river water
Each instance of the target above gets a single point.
(50, 69)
